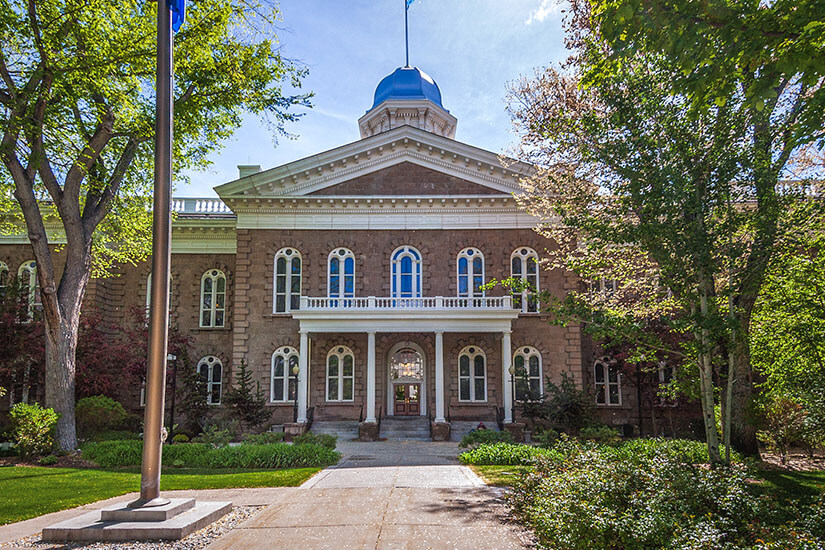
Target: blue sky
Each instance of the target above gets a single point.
(471, 48)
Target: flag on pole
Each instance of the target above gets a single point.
(409, 2)
(178, 8)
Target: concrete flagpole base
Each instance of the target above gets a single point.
(175, 520)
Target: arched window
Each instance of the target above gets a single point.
(282, 386)
(406, 273)
(608, 382)
(524, 267)
(527, 364)
(287, 280)
(4, 278)
(472, 374)
(210, 370)
(149, 293)
(470, 272)
(340, 374)
(213, 298)
(341, 280)
(29, 287)
(406, 364)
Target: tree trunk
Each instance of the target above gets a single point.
(61, 345)
(743, 429)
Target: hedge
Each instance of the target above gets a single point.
(507, 454)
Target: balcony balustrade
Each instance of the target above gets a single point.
(434, 303)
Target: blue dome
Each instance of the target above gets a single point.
(407, 83)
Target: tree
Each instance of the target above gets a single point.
(246, 400)
(766, 59)
(77, 127)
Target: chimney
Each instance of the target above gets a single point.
(248, 169)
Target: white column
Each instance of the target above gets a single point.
(303, 374)
(439, 377)
(370, 377)
(507, 389)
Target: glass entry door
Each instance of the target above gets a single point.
(407, 399)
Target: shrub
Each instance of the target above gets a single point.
(784, 424)
(564, 406)
(109, 454)
(32, 428)
(597, 500)
(98, 413)
(479, 437)
(507, 454)
(311, 438)
(113, 435)
(266, 438)
(688, 451)
(601, 434)
(49, 460)
(246, 400)
(214, 436)
(546, 438)
(180, 438)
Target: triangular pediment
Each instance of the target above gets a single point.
(399, 162)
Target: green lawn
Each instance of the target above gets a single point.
(500, 476)
(29, 492)
(794, 484)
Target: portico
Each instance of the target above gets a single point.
(377, 315)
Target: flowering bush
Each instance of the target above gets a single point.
(32, 428)
(599, 500)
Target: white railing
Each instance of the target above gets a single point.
(200, 206)
(309, 303)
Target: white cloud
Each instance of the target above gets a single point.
(539, 14)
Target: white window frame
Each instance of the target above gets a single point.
(27, 277)
(396, 276)
(470, 254)
(214, 275)
(603, 387)
(471, 352)
(4, 277)
(149, 294)
(210, 361)
(341, 255)
(604, 286)
(664, 401)
(523, 254)
(288, 254)
(340, 353)
(526, 352)
(286, 353)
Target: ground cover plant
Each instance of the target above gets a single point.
(478, 437)
(507, 454)
(598, 499)
(33, 491)
(113, 454)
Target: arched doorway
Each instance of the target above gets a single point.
(406, 395)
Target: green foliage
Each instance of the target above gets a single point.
(479, 437)
(32, 428)
(604, 435)
(180, 438)
(507, 454)
(247, 401)
(565, 406)
(49, 460)
(214, 436)
(784, 423)
(266, 438)
(109, 454)
(688, 451)
(312, 438)
(114, 435)
(192, 394)
(546, 438)
(593, 500)
(98, 413)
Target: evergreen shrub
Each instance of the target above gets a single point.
(266, 438)
(32, 428)
(325, 440)
(507, 454)
(97, 414)
(479, 437)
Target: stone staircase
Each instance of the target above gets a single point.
(415, 428)
(344, 430)
(460, 428)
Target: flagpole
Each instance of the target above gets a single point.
(407, 31)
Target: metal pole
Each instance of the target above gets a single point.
(407, 32)
(161, 236)
(173, 389)
(295, 402)
(513, 401)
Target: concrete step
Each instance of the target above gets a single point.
(414, 428)
(344, 430)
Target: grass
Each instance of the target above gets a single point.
(791, 484)
(500, 476)
(30, 491)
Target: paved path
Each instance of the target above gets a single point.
(385, 495)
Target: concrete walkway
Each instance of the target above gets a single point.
(385, 495)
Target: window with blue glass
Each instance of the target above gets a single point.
(341, 281)
(406, 273)
(470, 273)
(287, 280)
(525, 268)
